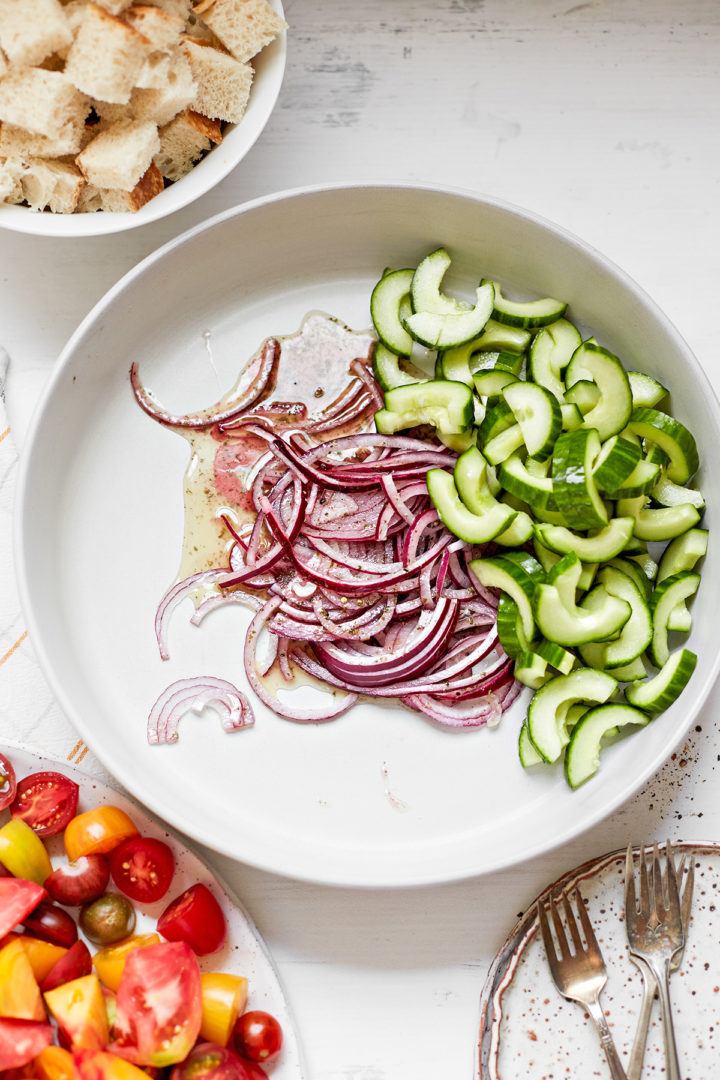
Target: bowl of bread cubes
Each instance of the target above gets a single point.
(114, 113)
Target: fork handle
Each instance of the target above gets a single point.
(662, 973)
(606, 1040)
(637, 1054)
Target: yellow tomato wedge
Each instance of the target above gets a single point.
(43, 956)
(20, 997)
(224, 997)
(109, 962)
(54, 1063)
(79, 1008)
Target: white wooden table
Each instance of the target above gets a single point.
(601, 116)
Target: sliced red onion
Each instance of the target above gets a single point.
(195, 694)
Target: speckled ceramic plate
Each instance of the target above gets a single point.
(244, 952)
(528, 1030)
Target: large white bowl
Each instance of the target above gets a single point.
(99, 533)
(238, 139)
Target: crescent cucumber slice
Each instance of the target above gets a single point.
(574, 486)
(425, 286)
(658, 693)
(443, 331)
(538, 413)
(550, 354)
(614, 408)
(582, 757)
(645, 390)
(670, 436)
(548, 708)
(604, 545)
(615, 463)
(499, 572)
(667, 595)
(387, 370)
(525, 314)
(473, 528)
(635, 635)
(385, 303)
(658, 524)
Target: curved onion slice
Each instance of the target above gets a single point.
(195, 694)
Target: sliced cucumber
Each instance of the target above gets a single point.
(635, 573)
(499, 572)
(425, 286)
(471, 527)
(538, 414)
(443, 331)
(599, 616)
(503, 445)
(514, 476)
(582, 757)
(660, 524)
(510, 629)
(385, 303)
(496, 336)
(667, 595)
(491, 382)
(614, 408)
(669, 494)
(670, 436)
(571, 417)
(531, 670)
(631, 672)
(550, 354)
(615, 463)
(519, 532)
(548, 708)
(559, 658)
(658, 693)
(527, 753)
(645, 390)
(574, 487)
(565, 576)
(387, 371)
(604, 545)
(584, 395)
(635, 635)
(549, 559)
(526, 314)
(498, 418)
(453, 365)
(683, 553)
(642, 479)
(448, 406)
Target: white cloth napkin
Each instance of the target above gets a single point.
(29, 715)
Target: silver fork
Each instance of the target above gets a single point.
(579, 975)
(655, 934)
(637, 1054)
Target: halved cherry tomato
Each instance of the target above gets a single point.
(143, 868)
(50, 923)
(17, 899)
(98, 832)
(46, 801)
(208, 1061)
(23, 853)
(8, 782)
(195, 917)
(158, 1010)
(110, 961)
(258, 1036)
(79, 1008)
(224, 997)
(21, 1041)
(19, 992)
(73, 965)
(79, 882)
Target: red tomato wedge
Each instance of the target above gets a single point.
(143, 868)
(195, 917)
(8, 783)
(21, 1041)
(17, 899)
(46, 801)
(158, 1005)
(76, 962)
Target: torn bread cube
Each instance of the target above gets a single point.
(106, 57)
(3, 64)
(52, 184)
(181, 8)
(159, 104)
(114, 7)
(43, 102)
(149, 185)
(90, 200)
(162, 29)
(16, 142)
(200, 32)
(244, 26)
(32, 29)
(119, 156)
(223, 82)
(11, 181)
(184, 141)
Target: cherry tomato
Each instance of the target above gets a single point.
(79, 882)
(158, 1009)
(46, 801)
(143, 868)
(195, 917)
(98, 832)
(76, 962)
(108, 919)
(209, 1061)
(257, 1035)
(50, 923)
(17, 899)
(8, 783)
